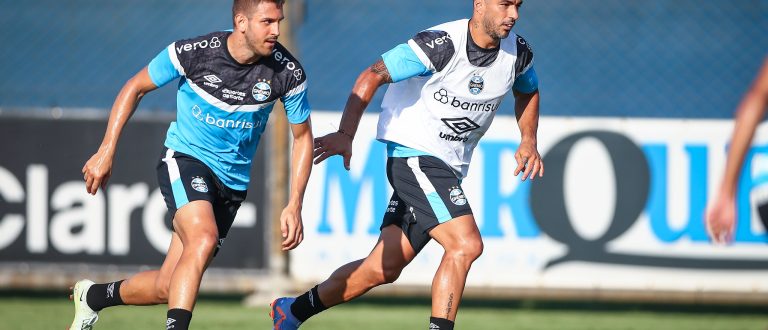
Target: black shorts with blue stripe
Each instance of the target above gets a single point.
(427, 192)
(184, 179)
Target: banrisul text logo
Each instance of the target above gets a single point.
(443, 97)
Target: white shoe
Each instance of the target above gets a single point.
(85, 317)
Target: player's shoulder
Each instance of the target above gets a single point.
(515, 43)
(440, 34)
(439, 42)
(285, 65)
(282, 56)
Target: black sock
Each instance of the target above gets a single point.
(307, 305)
(105, 295)
(436, 323)
(178, 319)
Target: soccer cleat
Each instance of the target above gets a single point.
(85, 317)
(281, 315)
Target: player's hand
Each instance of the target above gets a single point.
(720, 220)
(528, 161)
(336, 143)
(291, 227)
(97, 170)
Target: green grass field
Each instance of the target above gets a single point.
(46, 312)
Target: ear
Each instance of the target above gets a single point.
(241, 22)
(478, 4)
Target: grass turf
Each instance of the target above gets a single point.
(46, 312)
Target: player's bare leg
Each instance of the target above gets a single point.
(462, 243)
(195, 225)
(383, 265)
(151, 287)
(144, 288)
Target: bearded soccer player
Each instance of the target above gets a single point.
(230, 81)
(446, 84)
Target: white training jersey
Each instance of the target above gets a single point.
(446, 113)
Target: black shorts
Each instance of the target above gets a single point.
(427, 192)
(184, 179)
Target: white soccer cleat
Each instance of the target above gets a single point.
(85, 317)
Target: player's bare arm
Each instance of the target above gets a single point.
(98, 168)
(340, 142)
(291, 224)
(721, 214)
(527, 156)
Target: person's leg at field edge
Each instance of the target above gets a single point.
(461, 241)
(196, 225)
(178, 279)
(383, 265)
(460, 238)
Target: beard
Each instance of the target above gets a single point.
(258, 47)
(494, 30)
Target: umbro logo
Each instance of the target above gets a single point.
(460, 125)
(212, 80)
(169, 323)
(111, 290)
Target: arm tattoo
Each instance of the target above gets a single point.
(380, 69)
(450, 304)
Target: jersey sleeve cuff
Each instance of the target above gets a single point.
(296, 103)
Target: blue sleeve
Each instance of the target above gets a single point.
(402, 63)
(297, 105)
(527, 82)
(161, 69)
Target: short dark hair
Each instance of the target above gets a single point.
(246, 6)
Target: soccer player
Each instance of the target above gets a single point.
(446, 84)
(230, 81)
(721, 214)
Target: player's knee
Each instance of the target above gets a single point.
(467, 250)
(201, 247)
(475, 249)
(390, 274)
(207, 243)
(385, 274)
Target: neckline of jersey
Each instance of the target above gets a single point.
(476, 46)
(485, 50)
